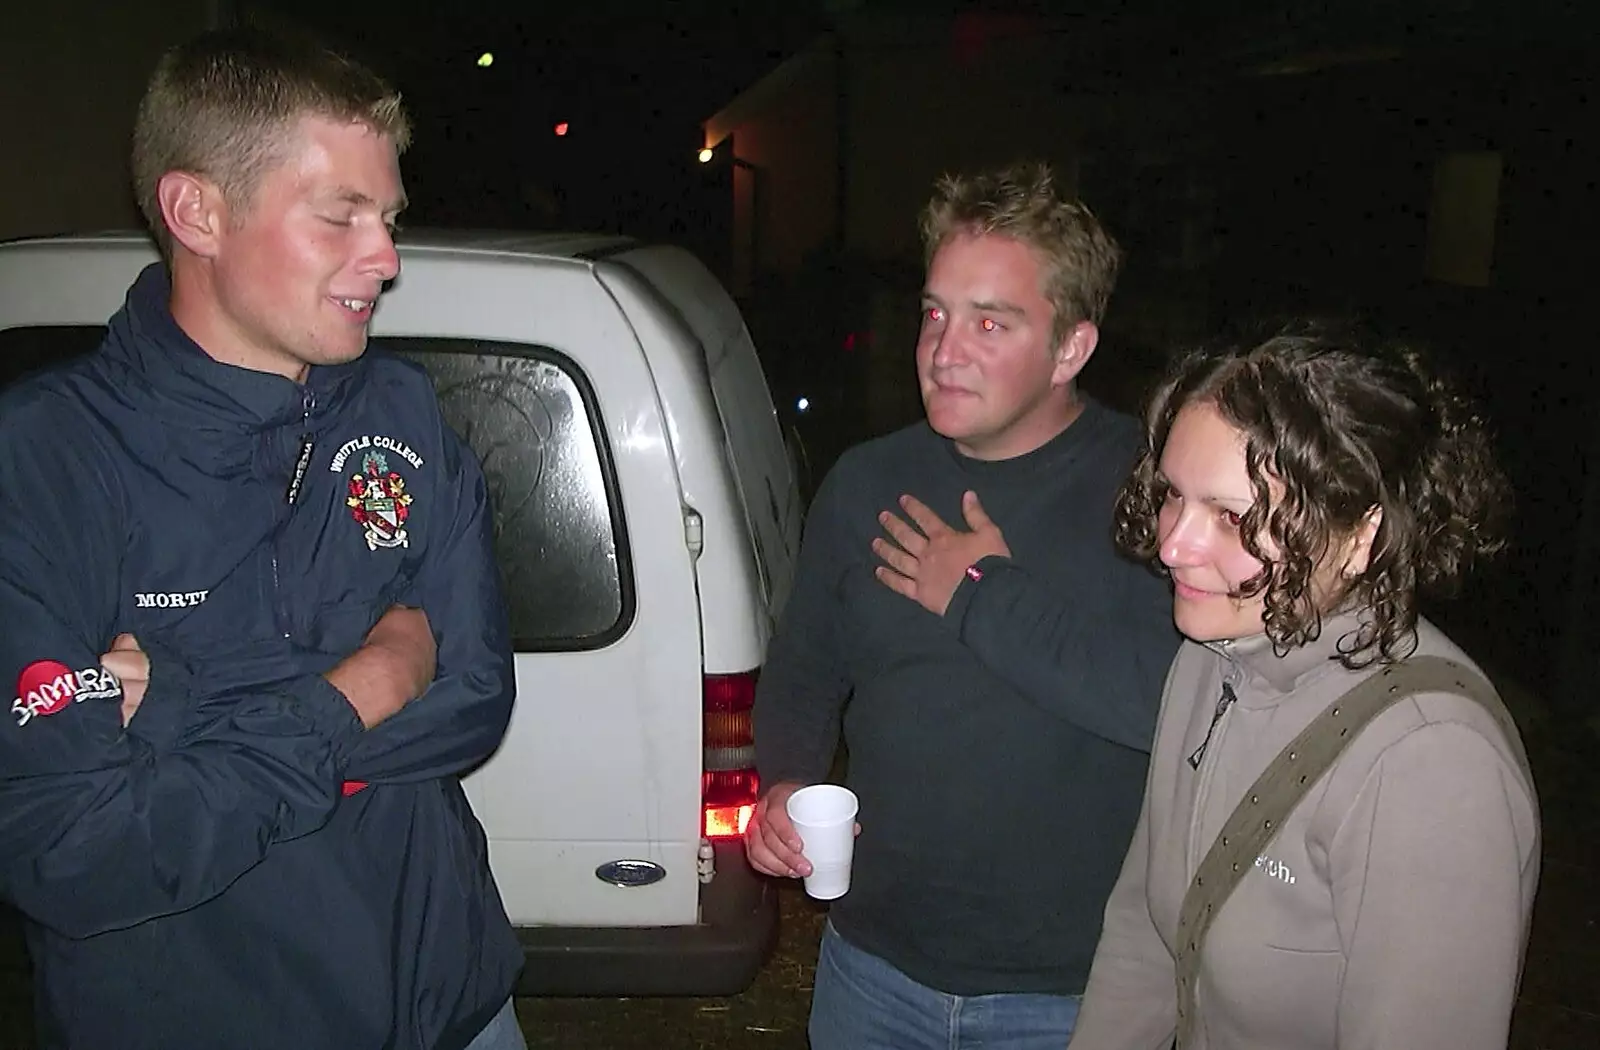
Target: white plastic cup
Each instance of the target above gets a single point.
(825, 817)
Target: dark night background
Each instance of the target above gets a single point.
(632, 81)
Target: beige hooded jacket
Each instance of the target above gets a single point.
(1390, 913)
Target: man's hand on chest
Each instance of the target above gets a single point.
(924, 559)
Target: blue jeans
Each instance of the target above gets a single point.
(861, 1002)
(502, 1033)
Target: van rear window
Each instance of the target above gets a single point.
(531, 416)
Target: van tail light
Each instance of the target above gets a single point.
(729, 786)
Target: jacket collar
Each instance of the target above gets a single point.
(1273, 675)
(195, 390)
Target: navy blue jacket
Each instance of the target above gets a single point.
(210, 876)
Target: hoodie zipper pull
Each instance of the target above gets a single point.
(1223, 702)
(306, 445)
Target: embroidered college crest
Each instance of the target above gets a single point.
(379, 502)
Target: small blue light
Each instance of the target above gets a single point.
(803, 404)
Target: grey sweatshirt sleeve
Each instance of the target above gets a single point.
(1099, 667)
(804, 682)
(1433, 870)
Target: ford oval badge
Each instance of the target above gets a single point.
(630, 872)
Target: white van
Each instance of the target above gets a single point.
(647, 523)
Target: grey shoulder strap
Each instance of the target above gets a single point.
(1289, 778)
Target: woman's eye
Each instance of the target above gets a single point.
(934, 313)
(1233, 518)
(989, 324)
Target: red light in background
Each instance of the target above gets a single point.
(850, 341)
(561, 128)
(973, 33)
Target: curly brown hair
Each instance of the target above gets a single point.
(224, 105)
(1343, 422)
(1080, 259)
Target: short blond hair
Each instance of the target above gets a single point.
(1079, 258)
(224, 106)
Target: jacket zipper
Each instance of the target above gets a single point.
(1224, 702)
(296, 481)
(1203, 760)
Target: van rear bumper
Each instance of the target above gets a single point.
(718, 956)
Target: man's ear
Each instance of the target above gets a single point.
(194, 211)
(1074, 352)
(1358, 548)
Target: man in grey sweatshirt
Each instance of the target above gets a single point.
(1002, 675)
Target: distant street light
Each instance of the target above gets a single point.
(486, 60)
(561, 128)
(724, 149)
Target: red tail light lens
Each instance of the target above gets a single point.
(729, 785)
(730, 692)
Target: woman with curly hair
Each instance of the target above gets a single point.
(1299, 492)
